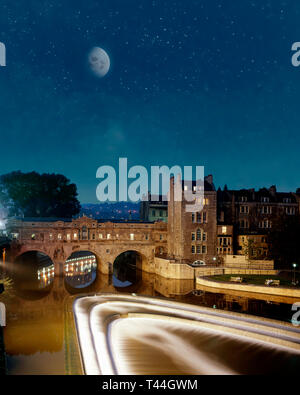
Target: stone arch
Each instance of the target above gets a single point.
(127, 272)
(144, 259)
(32, 249)
(85, 249)
(80, 268)
(32, 271)
(23, 250)
(81, 247)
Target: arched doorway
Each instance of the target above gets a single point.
(80, 269)
(127, 270)
(33, 274)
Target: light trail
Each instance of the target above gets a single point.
(107, 324)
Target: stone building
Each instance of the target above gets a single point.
(254, 246)
(224, 239)
(154, 209)
(59, 238)
(253, 214)
(192, 235)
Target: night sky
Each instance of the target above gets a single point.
(191, 83)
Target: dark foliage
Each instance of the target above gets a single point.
(38, 195)
(284, 239)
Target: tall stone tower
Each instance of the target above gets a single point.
(192, 235)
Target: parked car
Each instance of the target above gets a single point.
(198, 263)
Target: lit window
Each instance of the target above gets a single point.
(224, 230)
(75, 236)
(131, 236)
(68, 236)
(108, 236)
(100, 236)
(50, 236)
(59, 236)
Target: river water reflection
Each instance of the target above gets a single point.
(34, 336)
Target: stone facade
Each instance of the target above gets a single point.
(224, 239)
(254, 246)
(107, 240)
(192, 235)
(154, 209)
(230, 222)
(252, 214)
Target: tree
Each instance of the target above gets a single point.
(284, 240)
(38, 195)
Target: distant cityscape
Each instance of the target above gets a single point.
(114, 211)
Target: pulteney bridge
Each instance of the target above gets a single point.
(107, 240)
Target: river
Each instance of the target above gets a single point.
(35, 331)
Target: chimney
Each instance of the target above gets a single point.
(272, 190)
(209, 179)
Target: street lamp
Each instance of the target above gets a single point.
(294, 267)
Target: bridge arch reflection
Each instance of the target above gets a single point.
(33, 274)
(80, 269)
(127, 269)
